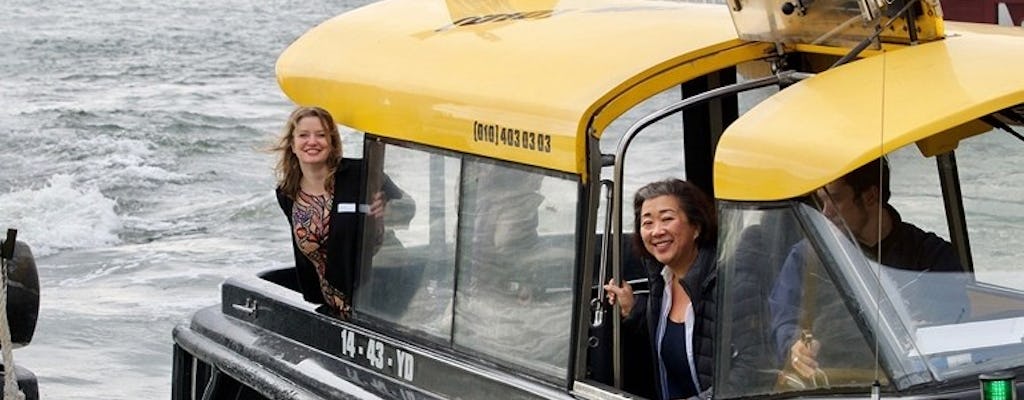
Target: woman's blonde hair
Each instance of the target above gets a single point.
(287, 169)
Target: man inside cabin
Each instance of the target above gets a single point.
(919, 263)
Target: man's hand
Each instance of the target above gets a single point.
(377, 206)
(623, 293)
(803, 355)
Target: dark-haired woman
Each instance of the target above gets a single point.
(675, 226)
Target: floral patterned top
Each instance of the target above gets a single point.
(311, 221)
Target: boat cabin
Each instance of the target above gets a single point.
(948, 121)
(519, 130)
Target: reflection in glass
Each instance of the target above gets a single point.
(514, 292)
(410, 279)
(781, 294)
(797, 276)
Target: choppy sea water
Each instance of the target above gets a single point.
(130, 137)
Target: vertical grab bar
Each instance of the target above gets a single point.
(597, 304)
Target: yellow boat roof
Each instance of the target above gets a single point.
(448, 74)
(821, 128)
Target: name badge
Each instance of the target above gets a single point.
(344, 208)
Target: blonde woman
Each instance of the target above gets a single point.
(321, 195)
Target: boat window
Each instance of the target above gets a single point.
(992, 184)
(916, 192)
(478, 255)
(917, 255)
(516, 261)
(934, 319)
(662, 141)
(915, 273)
(986, 335)
(659, 151)
(938, 319)
(936, 297)
(782, 292)
(410, 278)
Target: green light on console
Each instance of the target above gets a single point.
(998, 386)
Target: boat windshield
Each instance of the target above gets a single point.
(796, 278)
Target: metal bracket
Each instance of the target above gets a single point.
(250, 307)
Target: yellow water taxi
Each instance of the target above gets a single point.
(518, 127)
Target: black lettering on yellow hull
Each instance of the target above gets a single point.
(511, 137)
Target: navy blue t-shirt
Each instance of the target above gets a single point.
(677, 364)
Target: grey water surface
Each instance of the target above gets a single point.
(130, 160)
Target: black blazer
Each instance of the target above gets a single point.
(343, 237)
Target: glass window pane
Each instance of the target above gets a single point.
(916, 193)
(986, 335)
(781, 295)
(662, 140)
(410, 279)
(665, 139)
(957, 323)
(516, 263)
(992, 184)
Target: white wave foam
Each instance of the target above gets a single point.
(60, 216)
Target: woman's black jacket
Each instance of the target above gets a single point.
(699, 283)
(344, 236)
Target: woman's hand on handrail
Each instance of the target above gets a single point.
(624, 295)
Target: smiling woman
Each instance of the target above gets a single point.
(676, 226)
(319, 192)
(312, 145)
(310, 151)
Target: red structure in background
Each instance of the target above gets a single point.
(981, 10)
